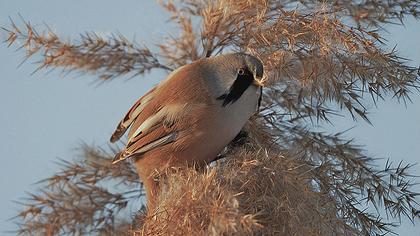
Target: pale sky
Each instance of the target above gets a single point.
(44, 116)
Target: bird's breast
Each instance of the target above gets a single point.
(221, 126)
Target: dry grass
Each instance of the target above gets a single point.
(322, 58)
(251, 193)
(106, 57)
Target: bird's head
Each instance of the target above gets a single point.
(239, 66)
(237, 73)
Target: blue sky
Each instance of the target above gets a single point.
(44, 116)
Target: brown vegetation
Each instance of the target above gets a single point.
(268, 195)
(284, 177)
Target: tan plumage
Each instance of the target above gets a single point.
(191, 116)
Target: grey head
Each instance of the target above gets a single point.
(236, 73)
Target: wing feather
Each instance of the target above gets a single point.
(169, 138)
(131, 115)
(166, 116)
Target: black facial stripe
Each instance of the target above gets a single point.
(238, 87)
(260, 98)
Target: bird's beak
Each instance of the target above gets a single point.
(259, 82)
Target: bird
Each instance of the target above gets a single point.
(191, 116)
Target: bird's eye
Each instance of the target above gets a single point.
(241, 71)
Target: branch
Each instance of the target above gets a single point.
(84, 198)
(371, 12)
(107, 58)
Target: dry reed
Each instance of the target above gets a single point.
(283, 177)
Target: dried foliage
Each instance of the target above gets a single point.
(268, 195)
(84, 198)
(321, 58)
(107, 57)
(373, 12)
(259, 192)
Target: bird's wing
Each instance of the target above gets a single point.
(131, 115)
(168, 125)
(161, 116)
